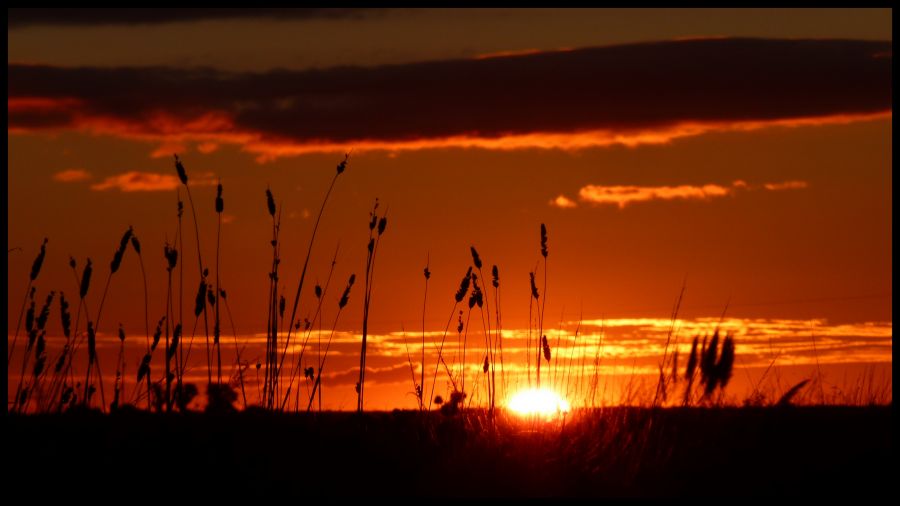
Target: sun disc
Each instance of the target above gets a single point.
(538, 402)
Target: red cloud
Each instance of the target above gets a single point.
(72, 175)
(623, 195)
(134, 181)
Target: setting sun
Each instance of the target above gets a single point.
(538, 402)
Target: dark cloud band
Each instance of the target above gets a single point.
(618, 89)
(18, 18)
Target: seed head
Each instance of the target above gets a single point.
(475, 258)
(220, 204)
(692, 360)
(464, 286)
(39, 261)
(39, 364)
(157, 334)
(86, 279)
(116, 261)
(343, 165)
(144, 368)
(346, 296)
(171, 255)
(61, 362)
(123, 243)
(182, 175)
(270, 202)
(200, 301)
(45, 312)
(92, 343)
(173, 346)
(544, 240)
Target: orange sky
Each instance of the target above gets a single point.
(756, 171)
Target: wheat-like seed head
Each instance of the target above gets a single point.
(179, 168)
(220, 204)
(476, 260)
(39, 261)
(543, 240)
(270, 202)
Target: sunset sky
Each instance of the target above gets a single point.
(743, 154)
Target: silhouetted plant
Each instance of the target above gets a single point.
(785, 400)
(35, 271)
(184, 394)
(220, 398)
(217, 330)
(427, 274)
(715, 367)
(458, 297)
(453, 405)
(341, 167)
(342, 303)
(374, 241)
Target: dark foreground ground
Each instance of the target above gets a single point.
(740, 452)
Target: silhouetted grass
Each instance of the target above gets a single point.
(707, 374)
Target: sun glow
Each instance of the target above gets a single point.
(538, 402)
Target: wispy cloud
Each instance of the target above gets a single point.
(72, 175)
(787, 185)
(571, 99)
(623, 195)
(563, 202)
(134, 181)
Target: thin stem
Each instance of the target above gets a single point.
(308, 254)
(9, 354)
(217, 328)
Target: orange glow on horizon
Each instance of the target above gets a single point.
(541, 402)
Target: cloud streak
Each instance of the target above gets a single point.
(72, 175)
(628, 94)
(134, 181)
(623, 195)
